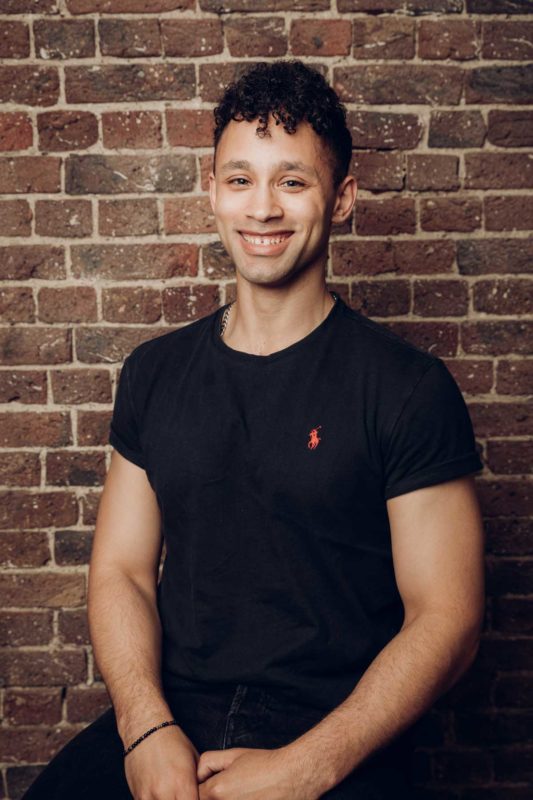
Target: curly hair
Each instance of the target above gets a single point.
(292, 92)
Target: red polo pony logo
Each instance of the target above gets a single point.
(314, 438)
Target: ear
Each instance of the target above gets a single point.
(344, 200)
(212, 190)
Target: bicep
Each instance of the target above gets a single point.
(128, 530)
(438, 551)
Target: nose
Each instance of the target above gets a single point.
(263, 204)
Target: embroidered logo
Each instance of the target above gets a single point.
(314, 438)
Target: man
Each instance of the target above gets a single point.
(310, 473)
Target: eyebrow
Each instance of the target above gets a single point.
(285, 165)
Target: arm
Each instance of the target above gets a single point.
(438, 553)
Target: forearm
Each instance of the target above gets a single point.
(125, 632)
(416, 667)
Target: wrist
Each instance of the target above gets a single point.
(136, 722)
(309, 766)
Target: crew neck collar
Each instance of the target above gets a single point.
(252, 358)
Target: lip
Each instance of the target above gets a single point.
(264, 249)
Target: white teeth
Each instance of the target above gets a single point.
(261, 240)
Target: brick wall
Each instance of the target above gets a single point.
(107, 239)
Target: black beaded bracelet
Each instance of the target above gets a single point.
(139, 740)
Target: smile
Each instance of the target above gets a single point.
(265, 241)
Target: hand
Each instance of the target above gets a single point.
(163, 767)
(241, 773)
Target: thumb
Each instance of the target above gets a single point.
(212, 761)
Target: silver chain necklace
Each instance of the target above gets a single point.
(225, 315)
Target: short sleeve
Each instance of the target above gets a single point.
(124, 429)
(432, 439)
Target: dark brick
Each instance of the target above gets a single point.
(20, 628)
(385, 217)
(112, 83)
(128, 6)
(384, 131)
(97, 174)
(132, 129)
(130, 38)
(511, 296)
(75, 386)
(93, 428)
(71, 304)
(508, 213)
(186, 38)
(509, 458)
(23, 386)
(71, 548)
(34, 429)
(21, 509)
(14, 39)
(16, 304)
(478, 256)
(500, 85)
(378, 172)
(498, 170)
(15, 218)
(67, 130)
(32, 345)
(320, 37)
(459, 40)
(35, 262)
(497, 338)
(29, 85)
(256, 36)
(191, 127)
(514, 376)
(510, 128)
(432, 298)
(20, 469)
(432, 172)
(66, 468)
(450, 214)
(62, 39)
(381, 298)
(128, 217)
(187, 303)
(459, 129)
(111, 344)
(134, 261)
(131, 304)
(189, 215)
(439, 338)
(32, 706)
(401, 83)
(498, 6)
(63, 218)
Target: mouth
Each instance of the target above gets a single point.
(269, 244)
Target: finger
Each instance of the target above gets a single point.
(213, 761)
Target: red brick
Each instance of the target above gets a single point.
(381, 298)
(508, 535)
(15, 218)
(93, 428)
(384, 130)
(384, 37)
(190, 127)
(128, 217)
(474, 376)
(432, 172)
(75, 386)
(134, 261)
(132, 304)
(509, 458)
(111, 83)
(67, 130)
(22, 386)
(66, 468)
(256, 36)
(378, 172)
(501, 418)
(454, 39)
(399, 83)
(189, 215)
(49, 589)
(21, 509)
(73, 627)
(41, 668)
(84, 704)
(73, 548)
(15, 131)
(65, 38)
(456, 129)
(439, 338)
(514, 377)
(377, 257)
(432, 298)
(498, 170)
(128, 6)
(29, 7)
(129, 38)
(450, 214)
(16, 304)
(497, 6)
(259, 5)
(34, 744)
(186, 38)
(19, 628)
(98, 174)
(187, 303)
(511, 296)
(412, 6)
(32, 706)
(213, 78)
(385, 217)
(29, 174)
(63, 218)
(507, 40)
(216, 261)
(89, 507)
(497, 338)
(499, 85)
(478, 256)
(29, 85)
(14, 39)
(510, 128)
(131, 129)
(34, 346)
(509, 213)
(20, 469)
(72, 304)
(112, 343)
(322, 37)
(33, 429)
(506, 498)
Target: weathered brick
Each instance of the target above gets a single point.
(214, 77)
(84, 704)
(510, 128)
(256, 36)
(381, 298)
(409, 6)
(478, 256)
(500, 85)
(36, 262)
(385, 217)
(506, 497)
(32, 706)
(97, 174)
(132, 261)
(73, 627)
(189, 215)
(378, 172)
(446, 298)
(63, 218)
(34, 345)
(399, 83)
(90, 502)
(508, 212)
(50, 589)
(507, 40)
(66, 468)
(111, 344)
(129, 38)
(186, 38)
(377, 257)
(22, 386)
(456, 129)
(509, 458)
(128, 217)
(72, 547)
(30, 7)
(474, 376)
(33, 429)
(71, 304)
(187, 303)
(29, 174)
(128, 6)
(216, 261)
(508, 535)
(323, 37)
(191, 127)
(112, 83)
(132, 304)
(15, 131)
(497, 338)
(42, 668)
(513, 615)
(20, 469)
(67, 130)
(19, 628)
(15, 218)
(497, 6)
(132, 129)
(384, 131)
(75, 386)
(432, 173)
(450, 214)
(498, 171)
(459, 40)
(65, 38)
(439, 338)
(93, 428)
(383, 37)
(20, 509)
(29, 85)
(14, 39)
(514, 377)
(511, 296)
(16, 304)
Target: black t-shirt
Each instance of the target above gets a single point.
(272, 474)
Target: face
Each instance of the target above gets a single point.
(278, 187)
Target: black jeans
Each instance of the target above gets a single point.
(91, 765)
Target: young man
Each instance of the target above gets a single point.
(310, 473)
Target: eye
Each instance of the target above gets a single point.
(292, 180)
(237, 179)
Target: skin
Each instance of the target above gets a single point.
(436, 532)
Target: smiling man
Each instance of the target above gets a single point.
(311, 475)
